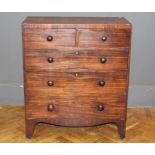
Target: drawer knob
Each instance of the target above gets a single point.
(77, 52)
(50, 107)
(50, 60)
(49, 38)
(103, 60)
(50, 83)
(101, 83)
(100, 107)
(104, 38)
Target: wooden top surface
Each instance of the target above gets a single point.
(31, 22)
(75, 20)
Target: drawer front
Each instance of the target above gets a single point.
(48, 38)
(104, 38)
(77, 61)
(76, 111)
(76, 100)
(75, 84)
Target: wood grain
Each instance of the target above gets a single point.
(93, 37)
(85, 84)
(65, 81)
(37, 38)
(77, 60)
(76, 22)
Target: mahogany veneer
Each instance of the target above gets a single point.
(76, 71)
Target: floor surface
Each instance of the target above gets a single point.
(140, 128)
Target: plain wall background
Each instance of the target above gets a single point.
(142, 70)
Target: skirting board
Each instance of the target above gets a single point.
(141, 95)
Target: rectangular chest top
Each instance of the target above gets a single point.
(76, 22)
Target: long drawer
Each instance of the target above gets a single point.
(75, 84)
(75, 111)
(77, 60)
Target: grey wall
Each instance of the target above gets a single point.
(142, 77)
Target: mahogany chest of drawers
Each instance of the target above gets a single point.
(76, 71)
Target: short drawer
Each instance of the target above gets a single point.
(48, 38)
(104, 38)
(77, 61)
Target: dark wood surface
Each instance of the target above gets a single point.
(77, 60)
(38, 38)
(94, 38)
(76, 71)
(68, 85)
(74, 22)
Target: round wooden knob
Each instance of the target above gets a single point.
(50, 60)
(102, 83)
(104, 38)
(100, 107)
(49, 38)
(50, 107)
(103, 60)
(50, 83)
(77, 52)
